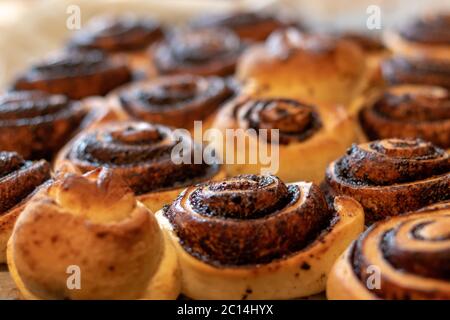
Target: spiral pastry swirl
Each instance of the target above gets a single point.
(37, 124)
(270, 133)
(75, 74)
(294, 120)
(199, 51)
(244, 232)
(139, 152)
(400, 70)
(19, 179)
(253, 26)
(432, 29)
(409, 112)
(411, 253)
(390, 177)
(176, 100)
(221, 222)
(116, 34)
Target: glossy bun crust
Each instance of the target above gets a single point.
(312, 68)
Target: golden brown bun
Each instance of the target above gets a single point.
(404, 257)
(93, 224)
(19, 180)
(176, 100)
(75, 74)
(312, 68)
(390, 177)
(425, 37)
(141, 153)
(309, 137)
(408, 111)
(254, 237)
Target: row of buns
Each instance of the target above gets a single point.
(243, 237)
(366, 126)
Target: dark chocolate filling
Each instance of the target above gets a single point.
(141, 154)
(294, 120)
(428, 264)
(247, 220)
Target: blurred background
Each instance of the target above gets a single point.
(29, 29)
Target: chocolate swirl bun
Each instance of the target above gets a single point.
(390, 177)
(400, 70)
(117, 34)
(256, 237)
(411, 256)
(427, 36)
(75, 74)
(141, 153)
(37, 124)
(253, 26)
(198, 51)
(288, 128)
(92, 222)
(313, 68)
(176, 100)
(294, 120)
(409, 112)
(19, 180)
